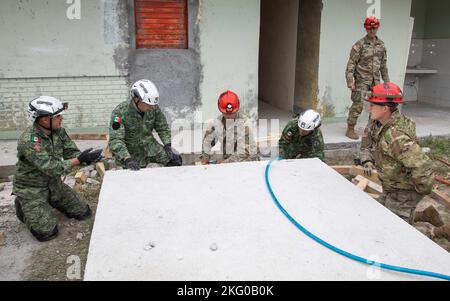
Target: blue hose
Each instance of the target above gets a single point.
(337, 250)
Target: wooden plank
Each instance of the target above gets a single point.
(88, 136)
(6, 171)
(359, 171)
(100, 167)
(363, 184)
(372, 187)
(374, 195)
(441, 196)
(342, 169)
(80, 177)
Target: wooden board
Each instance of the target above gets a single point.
(441, 196)
(88, 136)
(6, 171)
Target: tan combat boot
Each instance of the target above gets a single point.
(441, 232)
(429, 215)
(351, 132)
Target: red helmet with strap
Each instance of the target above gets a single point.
(385, 94)
(228, 102)
(371, 22)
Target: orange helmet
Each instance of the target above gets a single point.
(386, 94)
(228, 102)
(371, 22)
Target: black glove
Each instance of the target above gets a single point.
(175, 158)
(90, 156)
(132, 164)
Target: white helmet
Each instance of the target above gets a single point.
(309, 120)
(45, 106)
(146, 91)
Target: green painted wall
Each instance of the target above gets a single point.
(39, 40)
(341, 26)
(229, 52)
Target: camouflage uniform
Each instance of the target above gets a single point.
(367, 61)
(37, 182)
(405, 171)
(242, 146)
(292, 145)
(134, 135)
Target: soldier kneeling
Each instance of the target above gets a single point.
(302, 137)
(45, 153)
(390, 145)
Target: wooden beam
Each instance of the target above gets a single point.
(88, 136)
(342, 169)
(441, 196)
(372, 187)
(359, 171)
(363, 184)
(80, 177)
(374, 195)
(100, 167)
(6, 171)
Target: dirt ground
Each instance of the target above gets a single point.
(24, 258)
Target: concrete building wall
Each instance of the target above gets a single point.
(341, 27)
(434, 89)
(229, 47)
(91, 100)
(176, 72)
(83, 61)
(278, 50)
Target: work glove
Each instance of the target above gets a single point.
(132, 164)
(175, 158)
(90, 156)
(368, 168)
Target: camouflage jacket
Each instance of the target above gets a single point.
(42, 158)
(367, 62)
(235, 136)
(292, 145)
(134, 132)
(399, 159)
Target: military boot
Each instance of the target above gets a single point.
(441, 232)
(351, 132)
(429, 215)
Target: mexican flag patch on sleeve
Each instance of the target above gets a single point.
(36, 139)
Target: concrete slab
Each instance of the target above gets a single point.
(219, 222)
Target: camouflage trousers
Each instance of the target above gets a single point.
(403, 204)
(37, 204)
(357, 103)
(154, 153)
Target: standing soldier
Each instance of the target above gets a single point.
(405, 171)
(232, 130)
(131, 130)
(302, 137)
(46, 153)
(367, 62)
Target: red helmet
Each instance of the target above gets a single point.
(371, 22)
(228, 102)
(387, 93)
